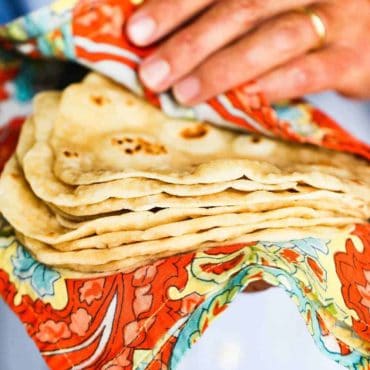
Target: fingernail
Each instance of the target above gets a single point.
(187, 89)
(155, 72)
(141, 29)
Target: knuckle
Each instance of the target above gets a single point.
(183, 51)
(302, 76)
(184, 39)
(285, 34)
(188, 41)
(246, 11)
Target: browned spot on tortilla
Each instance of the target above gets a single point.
(255, 139)
(151, 148)
(14, 175)
(69, 154)
(135, 145)
(99, 100)
(194, 132)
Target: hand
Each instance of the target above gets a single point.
(211, 46)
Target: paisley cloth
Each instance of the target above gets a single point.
(148, 318)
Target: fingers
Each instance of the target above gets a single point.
(272, 44)
(320, 70)
(222, 23)
(157, 18)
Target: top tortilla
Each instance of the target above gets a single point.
(37, 157)
(103, 133)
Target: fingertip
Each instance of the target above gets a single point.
(141, 29)
(155, 72)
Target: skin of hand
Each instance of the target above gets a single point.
(210, 46)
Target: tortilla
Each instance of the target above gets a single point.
(200, 224)
(178, 244)
(136, 140)
(36, 220)
(38, 164)
(143, 219)
(104, 182)
(128, 264)
(226, 198)
(26, 139)
(38, 171)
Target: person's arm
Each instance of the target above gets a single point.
(212, 46)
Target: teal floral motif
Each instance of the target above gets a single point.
(286, 112)
(61, 46)
(35, 24)
(41, 278)
(24, 83)
(296, 116)
(309, 246)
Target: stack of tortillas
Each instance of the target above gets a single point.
(102, 181)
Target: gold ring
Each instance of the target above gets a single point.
(318, 25)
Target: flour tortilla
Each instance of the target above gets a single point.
(26, 139)
(36, 248)
(38, 165)
(178, 244)
(226, 198)
(75, 270)
(38, 169)
(137, 140)
(115, 239)
(36, 220)
(45, 108)
(144, 219)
